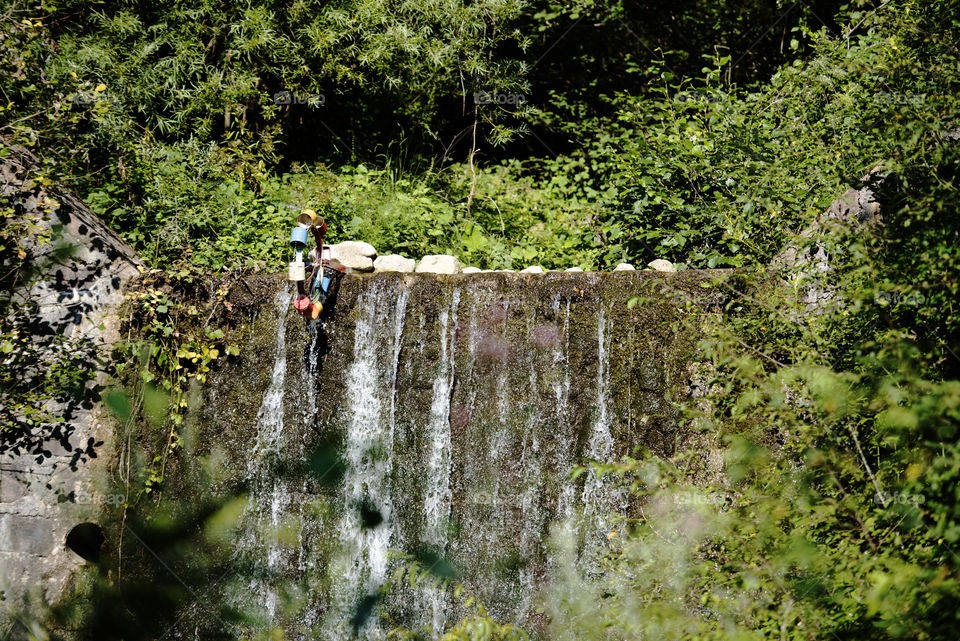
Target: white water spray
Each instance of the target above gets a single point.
(437, 502)
(266, 490)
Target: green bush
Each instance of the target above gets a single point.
(833, 510)
(515, 219)
(716, 176)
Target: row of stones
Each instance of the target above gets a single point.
(362, 257)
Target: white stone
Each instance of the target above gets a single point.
(532, 269)
(470, 270)
(624, 267)
(356, 255)
(359, 247)
(394, 263)
(573, 269)
(439, 264)
(661, 265)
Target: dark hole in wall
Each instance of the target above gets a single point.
(85, 540)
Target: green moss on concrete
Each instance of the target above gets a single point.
(523, 407)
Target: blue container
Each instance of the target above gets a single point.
(298, 238)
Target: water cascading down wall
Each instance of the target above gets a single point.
(438, 416)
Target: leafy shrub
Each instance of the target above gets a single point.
(716, 176)
(833, 513)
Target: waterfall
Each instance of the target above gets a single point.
(437, 502)
(459, 407)
(269, 426)
(503, 409)
(265, 487)
(364, 484)
(598, 497)
(561, 391)
(398, 319)
(313, 361)
(362, 563)
(601, 442)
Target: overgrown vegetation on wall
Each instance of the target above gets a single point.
(44, 376)
(835, 515)
(178, 123)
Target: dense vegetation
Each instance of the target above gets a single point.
(710, 133)
(200, 125)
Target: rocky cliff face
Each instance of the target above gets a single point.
(456, 408)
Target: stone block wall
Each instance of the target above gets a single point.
(43, 496)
